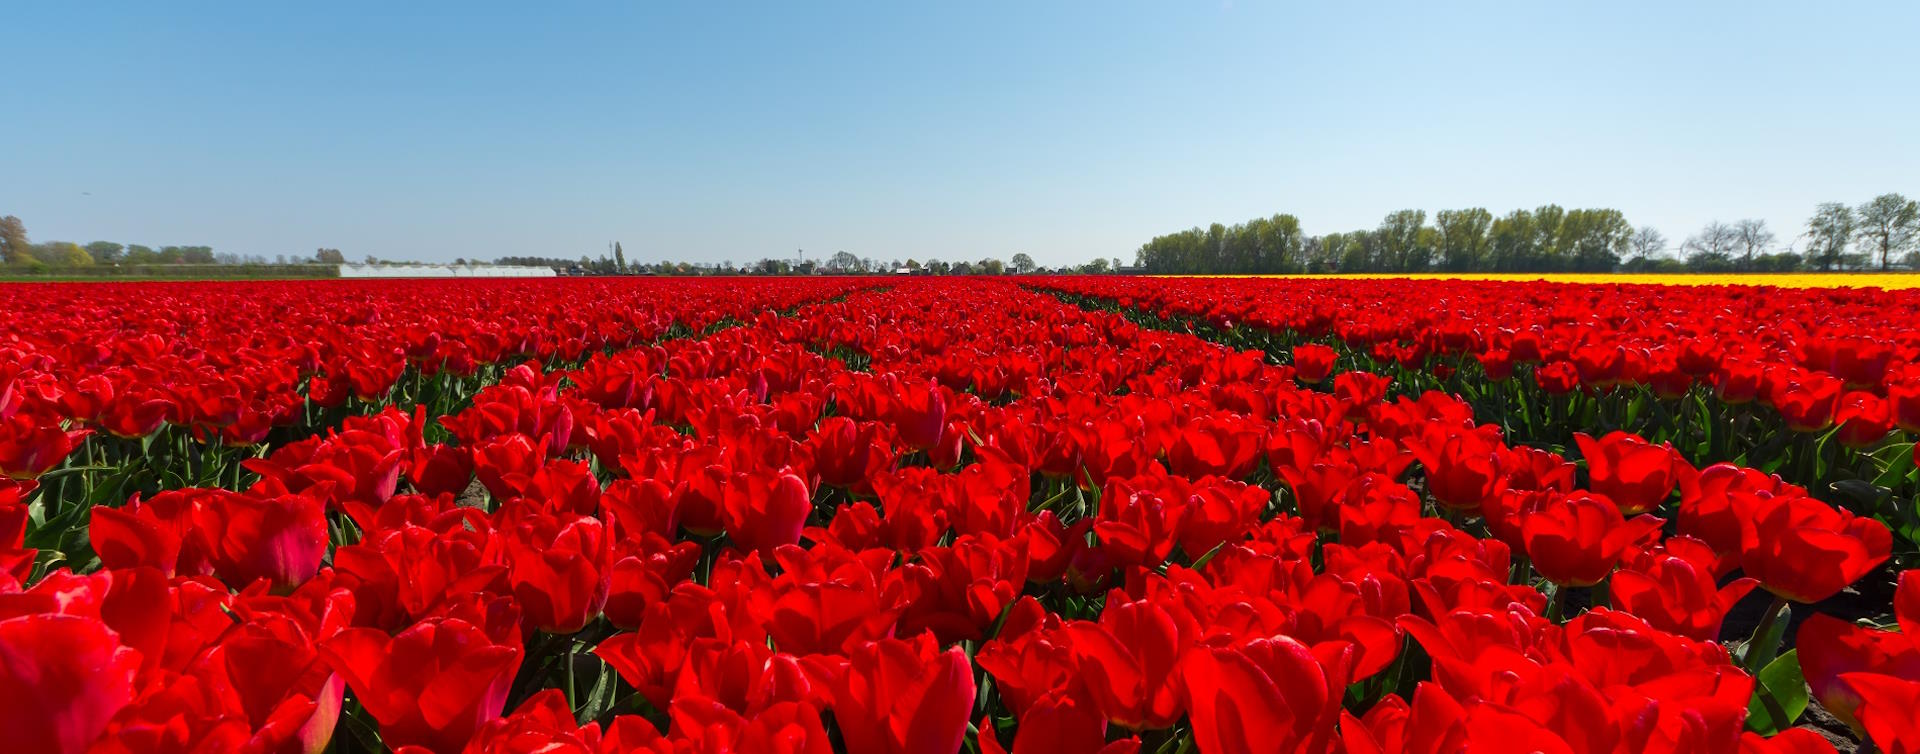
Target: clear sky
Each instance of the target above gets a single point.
(704, 131)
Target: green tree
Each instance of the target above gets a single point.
(1548, 254)
(1828, 232)
(13, 240)
(1022, 264)
(106, 252)
(329, 256)
(1463, 237)
(1402, 241)
(619, 257)
(61, 254)
(1888, 226)
(1511, 241)
(1592, 240)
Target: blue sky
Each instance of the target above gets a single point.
(1067, 130)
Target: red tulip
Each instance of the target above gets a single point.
(249, 537)
(1360, 388)
(1463, 468)
(1137, 526)
(644, 573)
(1831, 648)
(1738, 382)
(1268, 695)
(904, 697)
(1903, 403)
(1058, 724)
(542, 724)
(400, 575)
(1805, 550)
(1864, 420)
(1312, 362)
(1634, 474)
(1886, 711)
(557, 566)
(62, 677)
(1577, 539)
(1129, 660)
(848, 453)
(1496, 363)
(1707, 509)
(31, 445)
(1673, 588)
(920, 414)
(16, 560)
(1810, 403)
(434, 685)
(1210, 446)
(764, 511)
(1557, 378)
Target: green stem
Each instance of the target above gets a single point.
(1763, 646)
(1556, 603)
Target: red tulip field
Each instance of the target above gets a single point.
(927, 515)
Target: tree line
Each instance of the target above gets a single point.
(838, 263)
(1882, 232)
(19, 253)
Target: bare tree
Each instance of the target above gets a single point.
(1753, 239)
(1647, 243)
(1717, 241)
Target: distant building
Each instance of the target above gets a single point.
(443, 271)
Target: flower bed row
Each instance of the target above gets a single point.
(1820, 386)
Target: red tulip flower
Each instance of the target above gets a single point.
(1313, 363)
(32, 445)
(1635, 474)
(1804, 550)
(558, 567)
(1673, 588)
(1863, 419)
(434, 685)
(1738, 382)
(1903, 403)
(848, 453)
(1496, 363)
(1707, 510)
(1809, 404)
(1557, 378)
(62, 677)
(1130, 661)
(766, 510)
(1577, 540)
(1886, 711)
(1268, 695)
(1058, 723)
(250, 537)
(1831, 649)
(904, 697)
(1463, 468)
(920, 414)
